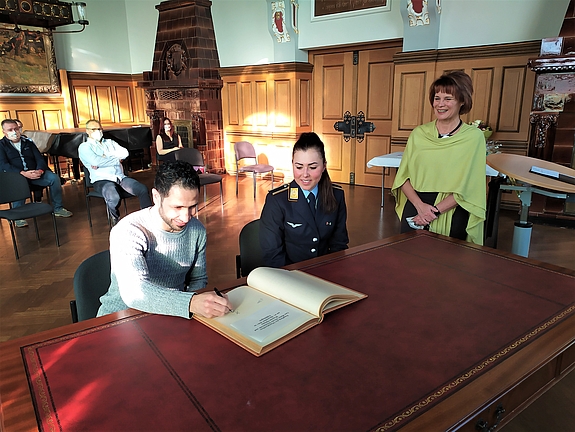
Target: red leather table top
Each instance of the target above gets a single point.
(438, 315)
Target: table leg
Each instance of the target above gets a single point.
(522, 229)
(382, 183)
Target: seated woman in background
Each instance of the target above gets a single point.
(167, 142)
(440, 183)
(306, 218)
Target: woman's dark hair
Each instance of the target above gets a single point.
(178, 173)
(310, 140)
(163, 131)
(456, 83)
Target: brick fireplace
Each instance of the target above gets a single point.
(184, 84)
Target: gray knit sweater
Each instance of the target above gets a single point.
(149, 265)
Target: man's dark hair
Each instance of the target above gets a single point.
(5, 121)
(178, 173)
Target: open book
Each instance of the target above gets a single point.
(276, 306)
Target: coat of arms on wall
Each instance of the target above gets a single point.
(176, 61)
(278, 22)
(417, 13)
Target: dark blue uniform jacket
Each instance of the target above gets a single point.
(289, 233)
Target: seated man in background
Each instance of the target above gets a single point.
(20, 154)
(158, 254)
(103, 159)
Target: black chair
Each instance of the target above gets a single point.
(251, 255)
(91, 281)
(195, 158)
(90, 192)
(14, 187)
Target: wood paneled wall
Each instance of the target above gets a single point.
(503, 89)
(114, 99)
(268, 106)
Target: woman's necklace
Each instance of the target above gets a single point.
(440, 135)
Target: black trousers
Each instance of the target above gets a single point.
(458, 221)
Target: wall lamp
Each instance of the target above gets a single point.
(49, 14)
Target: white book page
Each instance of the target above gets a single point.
(261, 317)
(545, 172)
(297, 288)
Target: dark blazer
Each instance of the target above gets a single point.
(10, 158)
(289, 233)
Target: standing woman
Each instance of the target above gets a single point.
(306, 218)
(440, 183)
(167, 141)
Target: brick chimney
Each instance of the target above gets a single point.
(184, 84)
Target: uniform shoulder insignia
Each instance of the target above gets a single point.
(336, 186)
(279, 189)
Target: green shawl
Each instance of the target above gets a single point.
(453, 165)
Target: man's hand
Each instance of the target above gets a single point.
(32, 174)
(209, 305)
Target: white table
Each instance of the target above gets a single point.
(392, 160)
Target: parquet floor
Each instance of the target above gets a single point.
(35, 291)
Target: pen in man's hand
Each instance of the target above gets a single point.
(219, 294)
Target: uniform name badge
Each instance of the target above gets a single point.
(293, 194)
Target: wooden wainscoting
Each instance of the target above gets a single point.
(113, 98)
(503, 91)
(269, 106)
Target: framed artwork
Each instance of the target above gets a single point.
(329, 7)
(27, 61)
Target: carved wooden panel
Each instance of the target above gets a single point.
(334, 152)
(4, 114)
(105, 104)
(261, 103)
(124, 101)
(512, 94)
(333, 101)
(482, 94)
(83, 104)
(282, 99)
(52, 119)
(246, 101)
(233, 105)
(412, 97)
(29, 119)
(380, 84)
(304, 102)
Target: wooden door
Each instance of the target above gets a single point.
(354, 81)
(333, 78)
(375, 100)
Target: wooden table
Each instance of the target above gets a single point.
(449, 332)
(393, 160)
(526, 183)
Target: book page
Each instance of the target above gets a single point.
(301, 290)
(260, 317)
(544, 172)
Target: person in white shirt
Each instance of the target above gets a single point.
(103, 159)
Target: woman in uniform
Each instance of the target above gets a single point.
(306, 218)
